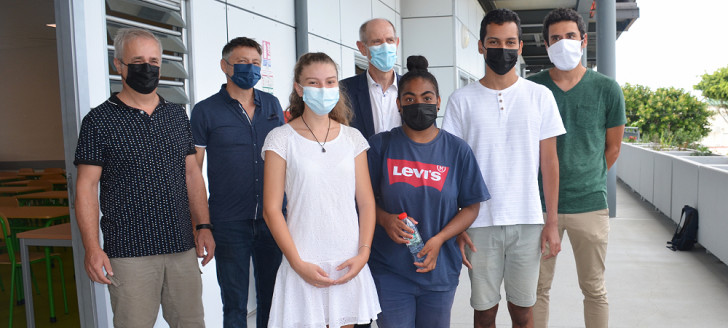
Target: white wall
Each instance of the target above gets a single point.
(212, 25)
(30, 113)
(446, 33)
(468, 14)
(334, 28)
(30, 128)
(96, 62)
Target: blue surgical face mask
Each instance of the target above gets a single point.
(245, 75)
(320, 100)
(383, 56)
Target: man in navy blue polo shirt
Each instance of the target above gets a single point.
(231, 126)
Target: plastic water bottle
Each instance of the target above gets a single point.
(415, 244)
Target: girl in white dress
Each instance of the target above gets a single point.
(321, 165)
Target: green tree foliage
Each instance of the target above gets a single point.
(668, 115)
(715, 87)
(635, 99)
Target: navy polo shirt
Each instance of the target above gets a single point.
(233, 143)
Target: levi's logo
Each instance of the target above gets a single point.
(416, 174)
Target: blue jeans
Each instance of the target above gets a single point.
(235, 243)
(406, 304)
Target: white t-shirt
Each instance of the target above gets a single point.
(504, 128)
(384, 105)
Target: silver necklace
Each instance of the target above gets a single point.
(323, 150)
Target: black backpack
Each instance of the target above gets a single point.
(685, 237)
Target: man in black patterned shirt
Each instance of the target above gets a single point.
(140, 148)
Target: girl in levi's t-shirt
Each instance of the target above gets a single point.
(434, 177)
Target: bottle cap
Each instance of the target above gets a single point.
(402, 215)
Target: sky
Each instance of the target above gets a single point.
(673, 43)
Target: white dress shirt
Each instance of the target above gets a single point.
(384, 105)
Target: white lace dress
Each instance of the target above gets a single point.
(322, 219)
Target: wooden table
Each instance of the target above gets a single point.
(34, 212)
(12, 191)
(46, 213)
(52, 198)
(37, 175)
(57, 235)
(17, 183)
(10, 178)
(58, 184)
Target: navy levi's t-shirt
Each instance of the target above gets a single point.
(430, 182)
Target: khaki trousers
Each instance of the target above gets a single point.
(141, 284)
(588, 234)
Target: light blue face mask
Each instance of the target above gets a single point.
(320, 100)
(383, 56)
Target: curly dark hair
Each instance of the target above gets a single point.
(417, 68)
(341, 112)
(499, 17)
(560, 15)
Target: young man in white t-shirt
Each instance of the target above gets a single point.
(511, 124)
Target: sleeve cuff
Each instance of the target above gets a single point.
(87, 162)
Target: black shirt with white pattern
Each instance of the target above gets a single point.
(143, 198)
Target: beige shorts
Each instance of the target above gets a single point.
(141, 284)
(506, 254)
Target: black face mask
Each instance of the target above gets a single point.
(143, 78)
(419, 116)
(501, 60)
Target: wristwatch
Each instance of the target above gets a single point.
(204, 226)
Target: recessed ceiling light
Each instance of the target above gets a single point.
(51, 25)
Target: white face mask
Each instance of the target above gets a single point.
(565, 54)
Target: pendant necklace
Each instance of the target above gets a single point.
(323, 150)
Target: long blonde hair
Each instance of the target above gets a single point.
(341, 112)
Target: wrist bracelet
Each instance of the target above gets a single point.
(204, 226)
(365, 245)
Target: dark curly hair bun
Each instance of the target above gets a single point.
(417, 68)
(417, 63)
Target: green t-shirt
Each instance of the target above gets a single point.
(592, 106)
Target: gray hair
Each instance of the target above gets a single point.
(127, 34)
(363, 29)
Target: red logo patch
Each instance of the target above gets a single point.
(416, 174)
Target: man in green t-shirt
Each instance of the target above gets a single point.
(592, 109)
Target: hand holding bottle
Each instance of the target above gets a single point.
(430, 253)
(415, 244)
(397, 230)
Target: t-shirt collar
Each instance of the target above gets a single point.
(114, 99)
(506, 90)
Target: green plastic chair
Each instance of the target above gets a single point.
(10, 257)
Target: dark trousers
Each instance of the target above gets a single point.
(236, 242)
